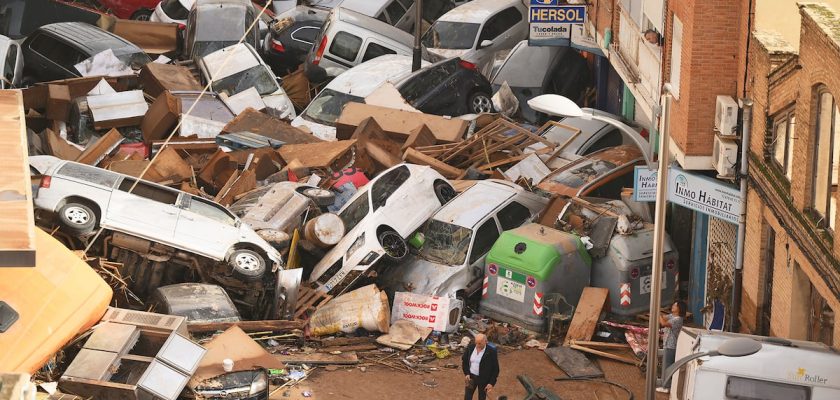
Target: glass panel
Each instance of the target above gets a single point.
(210, 210)
(355, 212)
(754, 389)
(346, 46)
(90, 174)
(779, 133)
(257, 77)
(484, 239)
(822, 164)
(513, 215)
(374, 50)
(327, 106)
(148, 191)
(451, 35)
(395, 12)
(580, 175)
(445, 243)
(789, 146)
(385, 186)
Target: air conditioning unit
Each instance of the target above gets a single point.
(162, 323)
(726, 116)
(724, 156)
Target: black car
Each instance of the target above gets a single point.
(286, 47)
(52, 51)
(450, 87)
(239, 385)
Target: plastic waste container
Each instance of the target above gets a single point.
(525, 266)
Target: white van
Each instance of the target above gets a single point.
(782, 370)
(349, 38)
(398, 13)
(352, 86)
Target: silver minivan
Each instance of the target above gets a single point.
(84, 197)
(349, 38)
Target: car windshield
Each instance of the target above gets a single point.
(257, 77)
(326, 108)
(355, 212)
(579, 175)
(451, 35)
(445, 243)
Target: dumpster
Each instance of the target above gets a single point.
(626, 271)
(528, 265)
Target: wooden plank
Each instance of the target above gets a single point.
(170, 165)
(246, 181)
(420, 136)
(573, 362)
(319, 359)
(247, 326)
(316, 155)
(253, 121)
(448, 171)
(17, 221)
(60, 147)
(96, 151)
(601, 344)
(588, 310)
(624, 359)
(354, 347)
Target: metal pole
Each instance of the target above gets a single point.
(418, 30)
(737, 279)
(658, 248)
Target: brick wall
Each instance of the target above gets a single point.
(777, 81)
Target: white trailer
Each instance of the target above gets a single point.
(781, 370)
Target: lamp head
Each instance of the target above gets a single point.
(554, 104)
(739, 347)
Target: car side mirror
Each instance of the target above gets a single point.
(485, 43)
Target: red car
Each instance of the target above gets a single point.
(139, 10)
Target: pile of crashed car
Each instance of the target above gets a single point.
(270, 162)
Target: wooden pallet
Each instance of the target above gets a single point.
(310, 299)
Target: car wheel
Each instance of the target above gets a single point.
(248, 265)
(142, 15)
(480, 103)
(321, 197)
(394, 245)
(77, 218)
(444, 192)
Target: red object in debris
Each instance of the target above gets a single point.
(645, 134)
(320, 52)
(182, 27)
(130, 9)
(45, 182)
(468, 65)
(138, 148)
(353, 175)
(277, 46)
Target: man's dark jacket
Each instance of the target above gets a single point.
(488, 369)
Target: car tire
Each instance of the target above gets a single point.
(247, 265)
(444, 192)
(142, 15)
(480, 102)
(321, 197)
(77, 218)
(396, 249)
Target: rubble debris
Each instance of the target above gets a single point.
(324, 230)
(366, 307)
(152, 37)
(96, 151)
(398, 124)
(58, 102)
(118, 109)
(157, 78)
(590, 347)
(236, 345)
(310, 300)
(277, 207)
(169, 165)
(403, 334)
(248, 98)
(349, 358)
(334, 156)
(160, 117)
(251, 120)
(104, 63)
(247, 326)
(587, 313)
(573, 362)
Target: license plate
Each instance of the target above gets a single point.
(510, 289)
(646, 282)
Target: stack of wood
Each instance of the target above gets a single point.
(499, 144)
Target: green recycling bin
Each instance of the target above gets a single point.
(526, 265)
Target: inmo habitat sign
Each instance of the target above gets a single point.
(699, 193)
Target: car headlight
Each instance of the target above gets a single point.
(360, 241)
(259, 384)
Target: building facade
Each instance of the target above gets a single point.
(791, 279)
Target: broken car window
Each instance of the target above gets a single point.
(582, 174)
(326, 108)
(420, 84)
(346, 46)
(355, 212)
(90, 174)
(484, 239)
(210, 210)
(451, 35)
(513, 216)
(257, 77)
(445, 243)
(385, 186)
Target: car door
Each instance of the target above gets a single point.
(398, 204)
(205, 227)
(426, 91)
(485, 237)
(143, 209)
(503, 29)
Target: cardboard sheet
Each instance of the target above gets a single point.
(236, 345)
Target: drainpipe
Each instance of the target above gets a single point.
(737, 279)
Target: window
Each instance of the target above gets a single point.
(207, 209)
(451, 35)
(754, 389)
(825, 160)
(513, 216)
(500, 23)
(385, 186)
(173, 9)
(610, 139)
(821, 323)
(395, 12)
(769, 263)
(374, 50)
(610, 187)
(420, 84)
(58, 52)
(484, 239)
(346, 46)
(148, 191)
(783, 142)
(90, 174)
(306, 34)
(355, 212)
(676, 56)
(9, 65)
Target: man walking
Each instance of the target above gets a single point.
(480, 364)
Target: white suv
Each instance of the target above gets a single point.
(85, 197)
